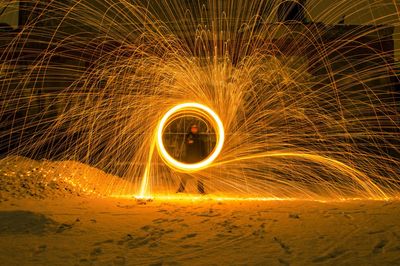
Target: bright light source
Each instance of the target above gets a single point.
(191, 108)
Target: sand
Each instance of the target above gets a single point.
(58, 226)
(21, 177)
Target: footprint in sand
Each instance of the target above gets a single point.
(160, 220)
(284, 246)
(96, 251)
(348, 216)
(151, 238)
(283, 262)
(40, 249)
(146, 228)
(177, 220)
(126, 238)
(189, 236)
(67, 226)
(378, 248)
(130, 206)
(259, 233)
(63, 227)
(294, 216)
(210, 213)
(330, 255)
(228, 226)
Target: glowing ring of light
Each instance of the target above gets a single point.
(205, 111)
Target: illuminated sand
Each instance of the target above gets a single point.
(21, 177)
(64, 224)
(87, 231)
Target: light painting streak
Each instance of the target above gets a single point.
(300, 110)
(191, 108)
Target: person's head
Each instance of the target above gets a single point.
(194, 129)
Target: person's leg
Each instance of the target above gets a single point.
(200, 187)
(182, 185)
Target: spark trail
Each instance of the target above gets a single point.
(307, 110)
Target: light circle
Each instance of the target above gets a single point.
(190, 108)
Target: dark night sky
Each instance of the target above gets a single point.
(358, 12)
(327, 11)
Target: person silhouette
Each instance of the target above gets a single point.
(194, 152)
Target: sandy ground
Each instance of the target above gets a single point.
(87, 231)
(58, 226)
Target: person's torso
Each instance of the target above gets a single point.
(193, 148)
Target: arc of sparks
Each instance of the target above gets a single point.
(195, 108)
(191, 108)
